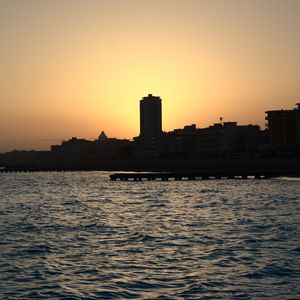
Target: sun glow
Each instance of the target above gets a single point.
(76, 69)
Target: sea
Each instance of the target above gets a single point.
(78, 235)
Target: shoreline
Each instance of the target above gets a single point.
(282, 167)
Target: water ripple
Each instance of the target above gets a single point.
(81, 236)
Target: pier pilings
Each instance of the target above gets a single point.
(165, 176)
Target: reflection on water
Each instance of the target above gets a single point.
(79, 235)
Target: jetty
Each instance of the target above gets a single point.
(165, 176)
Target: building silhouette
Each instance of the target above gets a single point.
(219, 140)
(284, 126)
(281, 139)
(284, 132)
(150, 116)
(102, 148)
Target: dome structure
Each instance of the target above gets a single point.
(102, 136)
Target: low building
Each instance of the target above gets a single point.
(112, 148)
(20, 158)
(85, 150)
(77, 149)
(218, 140)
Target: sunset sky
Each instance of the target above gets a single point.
(76, 67)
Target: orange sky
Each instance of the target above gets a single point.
(74, 68)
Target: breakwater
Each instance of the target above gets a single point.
(282, 167)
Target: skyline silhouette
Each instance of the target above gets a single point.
(222, 140)
(283, 126)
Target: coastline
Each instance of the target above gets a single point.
(282, 167)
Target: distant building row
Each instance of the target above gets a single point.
(280, 139)
(228, 139)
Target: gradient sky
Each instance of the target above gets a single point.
(74, 68)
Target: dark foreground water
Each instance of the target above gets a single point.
(81, 236)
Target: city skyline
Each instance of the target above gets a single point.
(282, 132)
(222, 140)
(74, 68)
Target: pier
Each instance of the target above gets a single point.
(165, 176)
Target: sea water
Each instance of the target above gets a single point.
(81, 236)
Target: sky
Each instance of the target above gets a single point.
(77, 67)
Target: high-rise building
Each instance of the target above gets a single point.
(298, 123)
(284, 126)
(150, 116)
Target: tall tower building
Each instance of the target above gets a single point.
(150, 116)
(284, 126)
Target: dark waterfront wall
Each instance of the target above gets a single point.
(280, 166)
